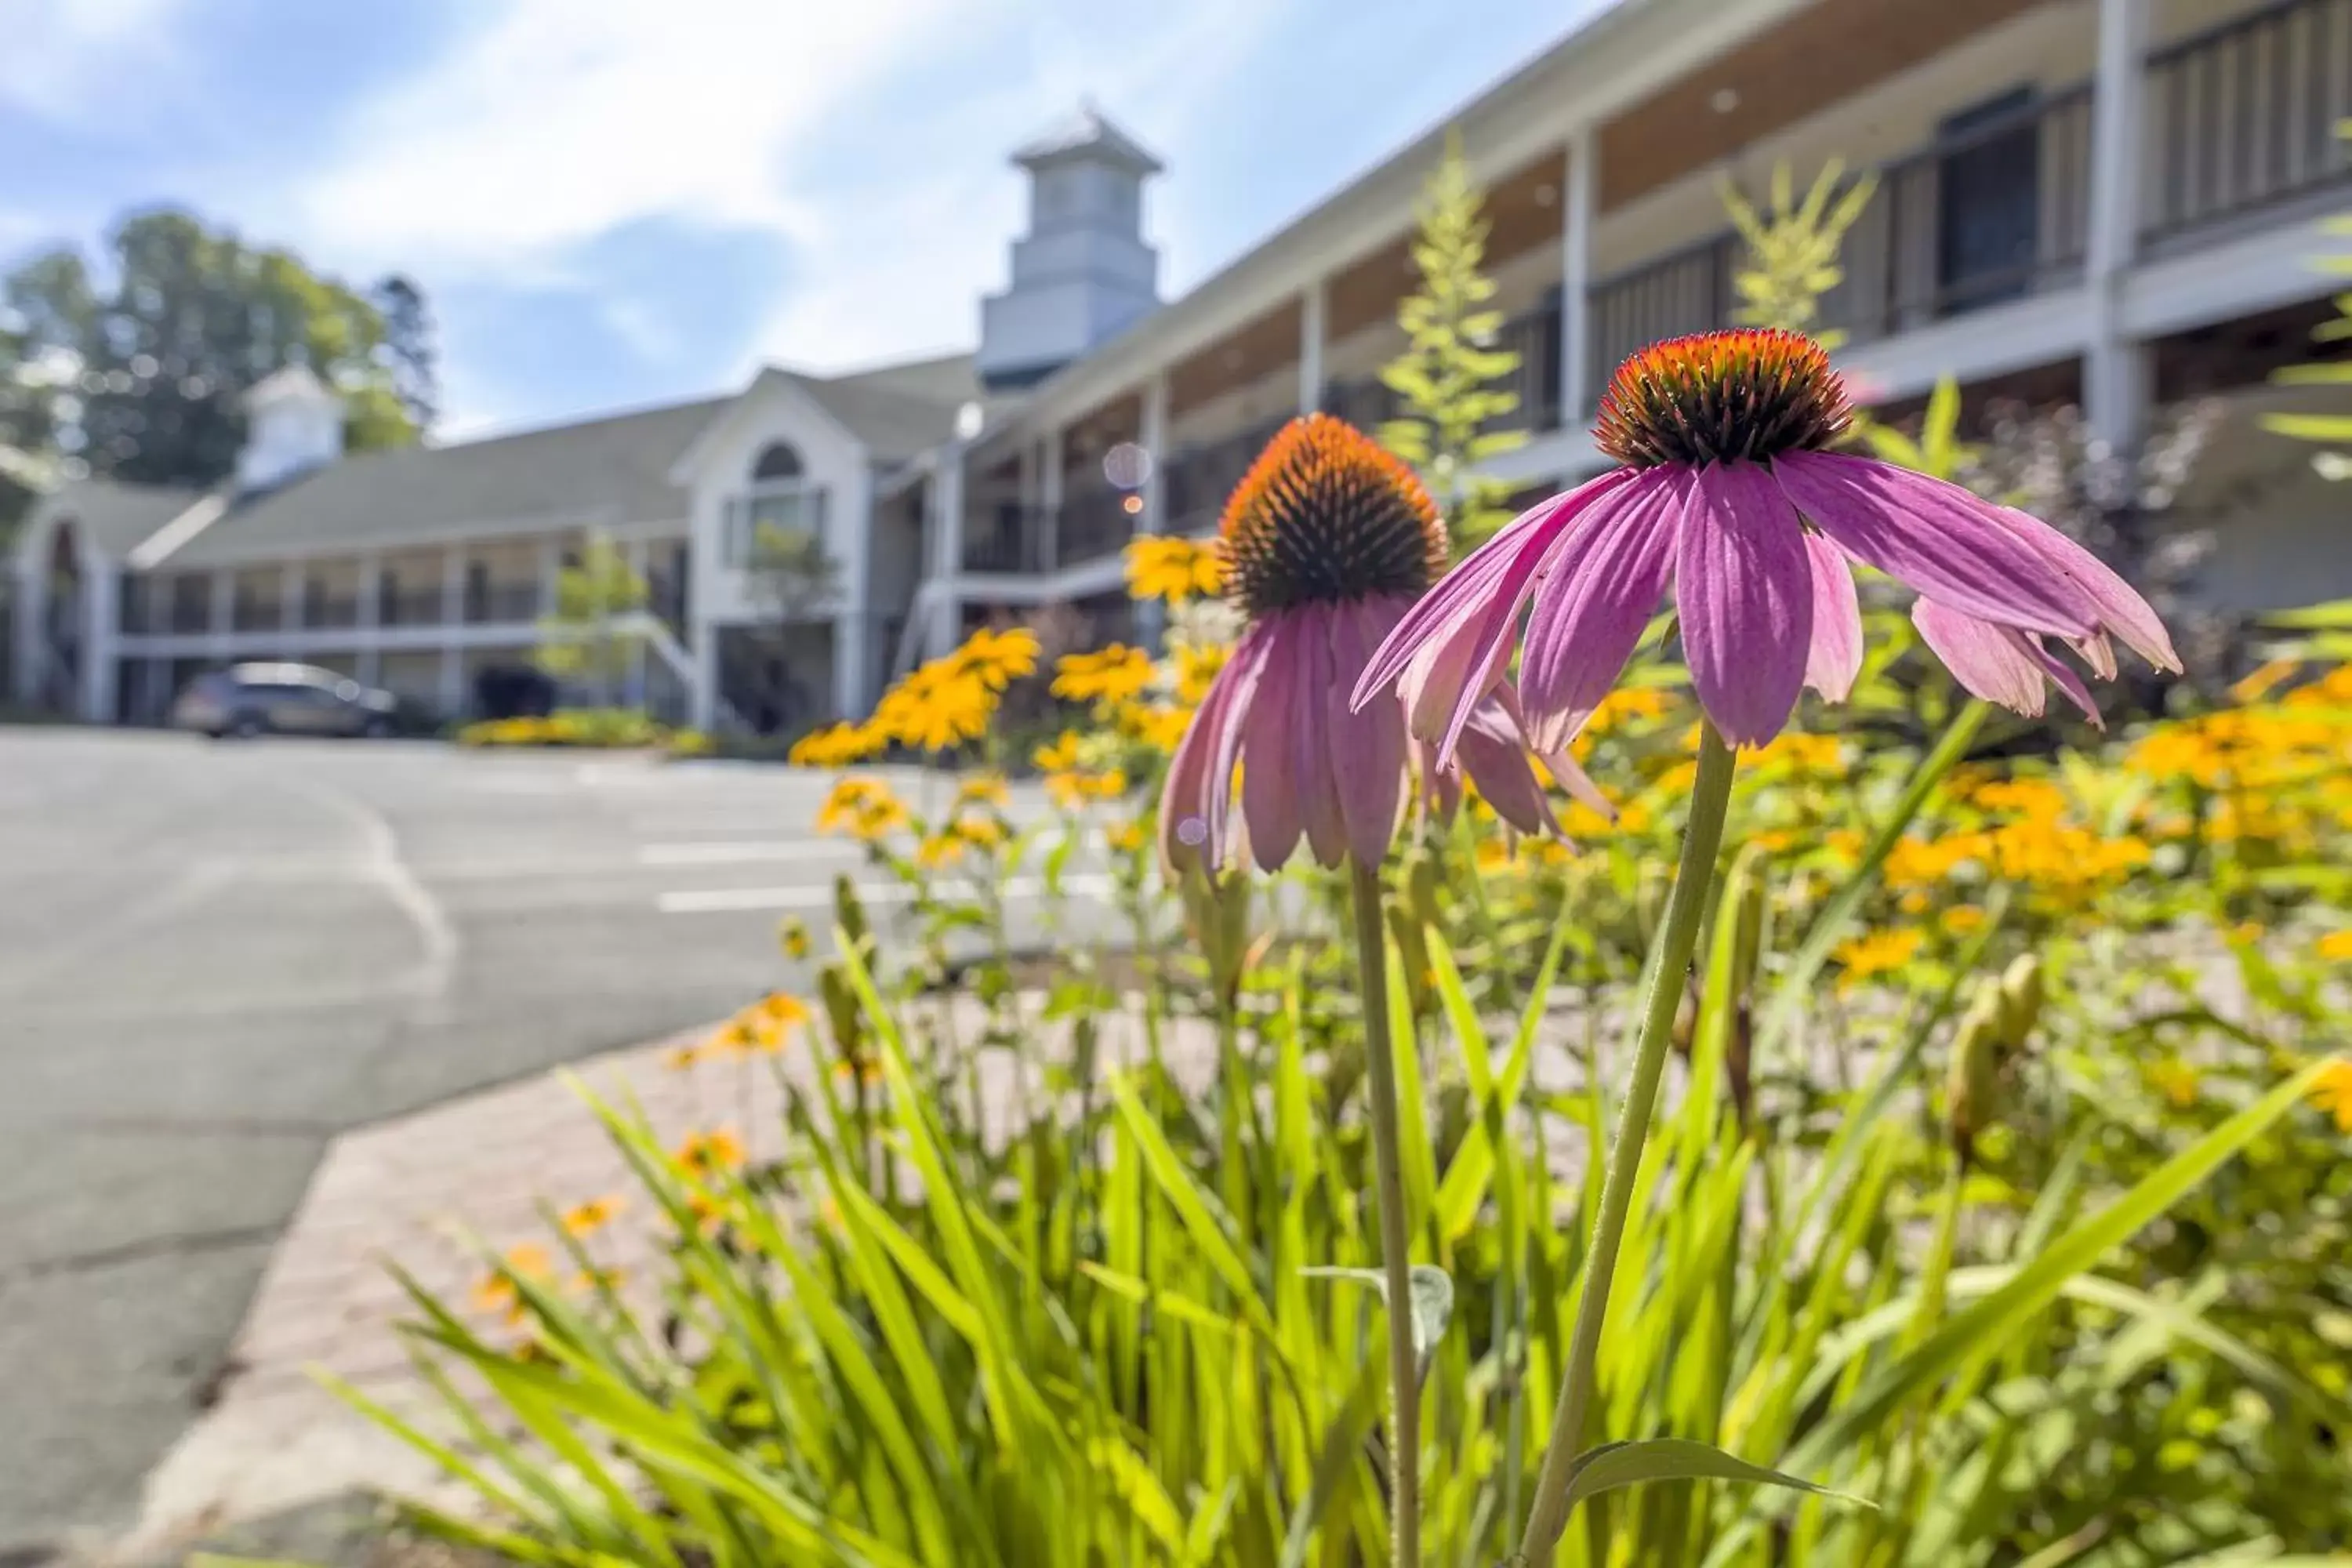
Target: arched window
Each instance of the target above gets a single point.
(777, 460)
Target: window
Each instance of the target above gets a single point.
(777, 460)
(1989, 198)
(780, 497)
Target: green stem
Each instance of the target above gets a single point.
(1677, 938)
(1396, 1242)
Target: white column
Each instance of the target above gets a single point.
(946, 600)
(1152, 617)
(2115, 372)
(31, 618)
(1311, 308)
(367, 664)
(1025, 489)
(1049, 501)
(634, 682)
(551, 567)
(291, 576)
(1576, 183)
(453, 615)
(99, 660)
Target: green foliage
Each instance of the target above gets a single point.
(1447, 377)
(157, 357)
(1792, 249)
(601, 727)
(598, 621)
(1022, 1282)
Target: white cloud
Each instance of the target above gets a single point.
(565, 119)
(69, 61)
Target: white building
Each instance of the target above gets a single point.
(2105, 201)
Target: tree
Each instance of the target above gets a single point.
(146, 359)
(789, 576)
(1446, 379)
(408, 351)
(598, 620)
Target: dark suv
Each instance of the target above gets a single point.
(284, 700)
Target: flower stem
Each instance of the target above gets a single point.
(1396, 1241)
(1668, 972)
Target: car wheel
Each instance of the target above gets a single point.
(377, 729)
(246, 726)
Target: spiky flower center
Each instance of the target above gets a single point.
(1752, 392)
(1325, 516)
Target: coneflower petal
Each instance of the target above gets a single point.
(1597, 595)
(1937, 539)
(1744, 593)
(1492, 753)
(2120, 610)
(1998, 663)
(1833, 661)
(1190, 815)
(1320, 809)
(1368, 745)
(1270, 809)
(1473, 596)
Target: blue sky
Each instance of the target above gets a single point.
(618, 202)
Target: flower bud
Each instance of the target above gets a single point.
(848, 912)
(1972, 1085)
(2021, 1000)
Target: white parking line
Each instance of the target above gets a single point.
(817, 896)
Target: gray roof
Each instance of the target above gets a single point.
(897, 411)
(599, 472)
(115, 517)
(1085, 133)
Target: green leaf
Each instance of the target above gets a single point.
(1615, 1465)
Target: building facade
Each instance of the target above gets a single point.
(2107, 202)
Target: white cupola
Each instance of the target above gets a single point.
(294, 423)
(1083, 271)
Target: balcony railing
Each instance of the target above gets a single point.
(2244, 115)
(1687, 290)
(1200, 477)
(257, 614)
(409, 607)
(328, 611)
(502, 603)
(1010, 538)
(1094, 522)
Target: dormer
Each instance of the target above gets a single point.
(1083, 272)
(294, 423)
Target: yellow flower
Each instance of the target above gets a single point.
(1875, 952)
(867, 1070)
(2263, 681)
(836, 746)
(997, 658)
(1801, 753)
(1073, 790)
(679, 1058)
(2177, 1081)
(1157, 724)
(1197, 665)
(938, 705)
(2333, 1093)
(495, 1289)
(980, 832)
(1061, 756)
(793, 935)
(2335, 947)
(588, 1219)
(1112, 674)
(1130, 837)
(862, 808)
(983, 789)
(703, 1153)
(777, 1017)
(1625, 702)
(2032, 798)
(1162, 567)
(1963, 920)
(589, 1281)
(1581, 821)
(938, 851)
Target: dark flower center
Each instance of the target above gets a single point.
(1752, 392)
(1327, 515)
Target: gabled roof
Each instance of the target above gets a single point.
(114, 518)
(897, 411)
(1085, 133)
(597, 473)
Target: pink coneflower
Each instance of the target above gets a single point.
(1328, 541)
(1726, 491)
